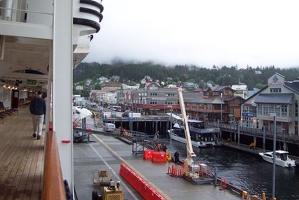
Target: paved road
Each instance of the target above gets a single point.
(106, 153)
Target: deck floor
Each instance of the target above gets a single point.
(21, 159)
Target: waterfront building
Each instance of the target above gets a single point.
(108, 93)
(124, 95)
(152, 99)
(240, 90)
(215, 104)
(280, 98)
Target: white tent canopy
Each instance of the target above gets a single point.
(80, 113)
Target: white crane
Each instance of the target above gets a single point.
(190, 153)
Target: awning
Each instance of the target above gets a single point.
(276, 98)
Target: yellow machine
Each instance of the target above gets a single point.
(110, 190)
(168, 155)
(112, 193)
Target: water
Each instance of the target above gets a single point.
(247, 172)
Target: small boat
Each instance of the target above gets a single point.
(282, 158)
(200, 136)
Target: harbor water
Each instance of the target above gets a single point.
(246, 171)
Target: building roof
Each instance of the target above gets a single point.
(191, 96)
(152, 83)
(208, 100)
(239, 87)
(292, 85)
(278, 98)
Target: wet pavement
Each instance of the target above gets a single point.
(105, 152)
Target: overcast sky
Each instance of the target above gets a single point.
(199, 32)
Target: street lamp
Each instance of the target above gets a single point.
(170, 116)
(221, 109)
(274, 154)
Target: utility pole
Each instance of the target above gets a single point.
(221, 109)
(274, 154)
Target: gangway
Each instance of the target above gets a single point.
(139, 141)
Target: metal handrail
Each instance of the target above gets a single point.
(53, 187)
(28, 11)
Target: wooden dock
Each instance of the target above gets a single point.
(254, 150)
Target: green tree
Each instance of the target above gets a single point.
(259, 86)
(97, 87)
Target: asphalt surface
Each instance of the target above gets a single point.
(105, 152)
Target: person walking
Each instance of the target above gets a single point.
(164, 147)
(156, 136)
(176, 157)
(159, 145)
(38, 110)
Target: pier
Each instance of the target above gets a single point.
(230, 133)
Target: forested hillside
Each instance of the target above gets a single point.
(218, 75)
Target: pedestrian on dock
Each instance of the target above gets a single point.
(121, 131)
(176, 157)
(156, 137)
(159, 145)
(164, 147)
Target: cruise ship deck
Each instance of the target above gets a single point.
(21, 158)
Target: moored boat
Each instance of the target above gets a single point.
(199, 134)
(281, 158)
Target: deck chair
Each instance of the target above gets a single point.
(7, 111)
(2, 117)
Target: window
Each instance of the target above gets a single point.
(259, 109)
(153, 102)
(209, 106)
(275, 90)
(169, 94)
(284, 110)
(296, 108)
(217, 107)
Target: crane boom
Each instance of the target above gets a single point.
(190, 153)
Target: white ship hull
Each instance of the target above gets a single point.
(282, 158)
(198, 144)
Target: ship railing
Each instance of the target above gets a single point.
(205, 130)
(36, 13)
(53, 187)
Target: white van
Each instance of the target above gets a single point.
(109, 127)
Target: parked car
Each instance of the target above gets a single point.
(125, 114)
(109, 127)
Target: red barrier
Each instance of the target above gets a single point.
(220, 184)
(169, 169)
(159, 157)
(208, 172)
(173, 170)
(144, 189)
(224, 183)
(148, 154)
(180, 171)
